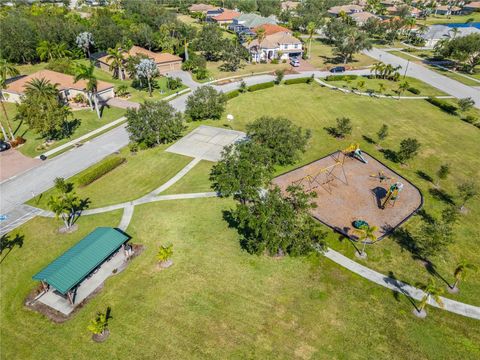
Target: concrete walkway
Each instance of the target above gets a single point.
(401, 287)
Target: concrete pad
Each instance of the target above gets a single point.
(206, 142)
(60, 302)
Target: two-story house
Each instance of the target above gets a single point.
(281, 46)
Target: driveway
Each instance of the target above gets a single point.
(13, 162)
(447, 85)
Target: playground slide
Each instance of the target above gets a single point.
(358, 154)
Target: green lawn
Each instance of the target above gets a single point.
(391, 87)
(322, 57)
(139, 175)
(439, 134)
(219, 302)
(88, 121)
(247, 69)
(443, 19)
(196, 180)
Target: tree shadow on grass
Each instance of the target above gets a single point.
(390, 155)
(406, 241)
(424, 176)
(368, 139)
(432, 270)
(400, 285)
(426, 216)
(7, 243)
(441, 196)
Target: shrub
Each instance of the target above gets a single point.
(205, 103)
(261, 86)
(100, 169)
(304, 80)
(274, 61)
(233, 94)
(470, 119)
(122, 90)
(413, 90)
(341, 77)
(445, 106)
(279, 76)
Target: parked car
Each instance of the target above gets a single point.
(295, 62)
(337, 69)
(4, 145)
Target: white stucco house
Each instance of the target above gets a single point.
(281, 45)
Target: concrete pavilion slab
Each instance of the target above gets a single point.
(206, 142)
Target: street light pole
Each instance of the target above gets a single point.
(406, 69)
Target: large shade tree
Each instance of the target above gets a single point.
(147, 70)
(205, 103)
(465, 50)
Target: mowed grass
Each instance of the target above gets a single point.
(444, 138)
(390, 88)
(196, 180)
(87, 122)
(219, 302)
(323, 57)
(141, 173)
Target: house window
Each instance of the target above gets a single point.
(285, 46)
(296, 46)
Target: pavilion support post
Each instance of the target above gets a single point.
(44, 286)
(69, 297)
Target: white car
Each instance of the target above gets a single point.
(294, 62)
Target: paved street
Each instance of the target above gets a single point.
(447, 85)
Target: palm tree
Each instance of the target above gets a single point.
(116, 57)
(261, 34)
(164, 254)
(454, 32)
(403, 86)
(45, 50)
(311, 29)
(381, 88)
(365, 232)
(6, 70)
(86, 72)
(61, 51)
(432, 291)
(461, 272)
(41, 88)
(378, 68)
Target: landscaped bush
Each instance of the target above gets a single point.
(233, 94)
(304, 80)
(413, 90)
(100, 169)
(470, 119)
(445, 106)
(341, 77)
(261, 86)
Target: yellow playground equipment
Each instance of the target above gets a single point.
(354, 151)
(393, 194)
(324, 176)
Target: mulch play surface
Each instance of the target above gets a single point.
(354, 193)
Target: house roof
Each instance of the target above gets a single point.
(271, 29)
(436, 32)
(289, 5)
(202, 7)
(253, 20)
(275, 40)
(448, 8)
(70, 268)
(473, 5)
(335, 10)
(159, 58)
(226, 15)
(64, 82)
(363, 16)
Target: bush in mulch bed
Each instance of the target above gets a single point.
(99, 170)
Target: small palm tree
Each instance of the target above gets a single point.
(365, 233)
(461, 273)
(6, 70)
(381, 88)
(432, 291)
(45, 50)
(311, 29)
(164, 255)
(41, 88)
(261, 35)
(61, 51)
(87, 72)
(402, 87)
(99, 325)
(377, 68)
(116, 57)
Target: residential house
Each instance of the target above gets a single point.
(271, 29)
(281, 45)
(289, 5)
(202, 8)
(67, 87)
(246, 22)
(347, 9)
(225, 18)
(165, 62)
(362, 17)
(447, 10)
(436, 33)
(471, 7)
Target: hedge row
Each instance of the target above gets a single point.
(445, 106)
(413, 90)
(99, 170)
(304, 80)
(341, 77)
(233, 94)
(261, 86)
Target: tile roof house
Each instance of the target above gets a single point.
(246, 22)
(281, 45)
(66, 85)
(271, 29)
(225, 17)
(362, 17)
(165, 61)
(347, 9)
(471, 7)
(289, 5)
(201, 8)
(447, 10)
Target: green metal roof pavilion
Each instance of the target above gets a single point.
(69, 269)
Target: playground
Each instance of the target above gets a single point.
(352, 186)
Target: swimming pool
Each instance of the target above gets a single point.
(462, 25)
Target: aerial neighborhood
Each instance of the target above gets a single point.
(239, 179)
